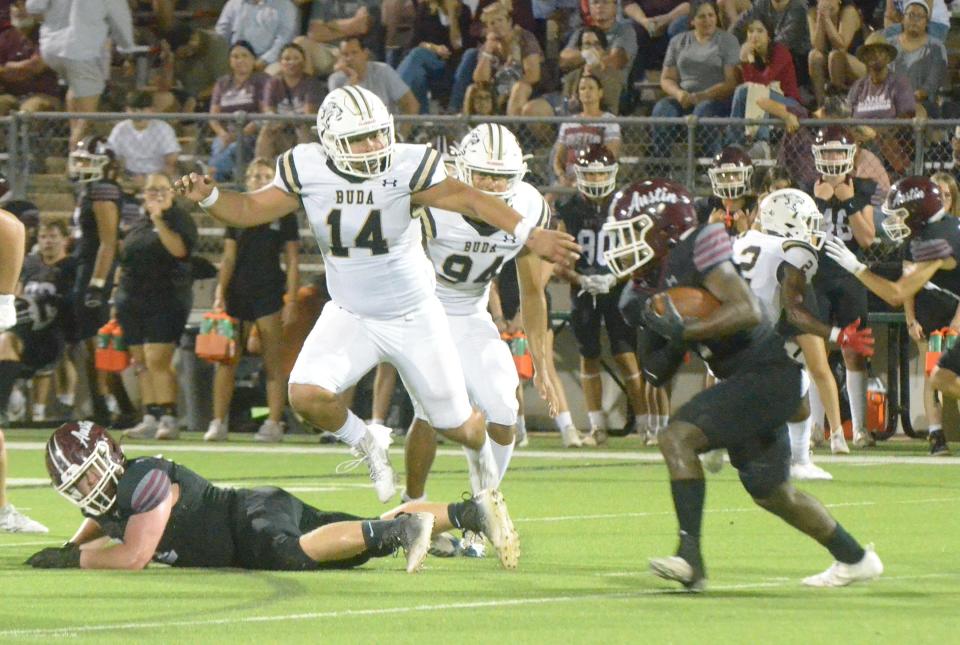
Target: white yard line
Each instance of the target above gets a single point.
(411, 609)
(571, 455)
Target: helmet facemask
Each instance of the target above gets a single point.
(103, 494)
(592, 187)
(730, 181)
(840, 161)
(629, 250)
(367, 164)
(84, 167)
(895, 223)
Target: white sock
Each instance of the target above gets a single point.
(664, 421)
(376, 422)
(857, 393)
(647, 421)
(39, 410)
(352, 431)
(487, 470)
(817, 410)
(66, 399)
(501, 455)
(149, 418)
(598, 420)
(800, 440)
(406, 498)
(111, 402)
(521, 425)
(563, 420)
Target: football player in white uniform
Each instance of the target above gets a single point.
(779, 262)
(467, 255)
(357, 186)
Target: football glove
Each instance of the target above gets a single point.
(859, 340)
(56, 557)
(669, 325)
(598, 285)
(94, 297)
(840, 254)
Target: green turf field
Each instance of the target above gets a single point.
(587, 521)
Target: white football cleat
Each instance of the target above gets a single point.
(13, 521)
(269, 432)
(412, 534)
(473, 545)
(863, 439)
(679, 570)
(498, 527)
(838, 443)
(216, 431)
(146, 429)
(571, 437)
(840, 575)
(809, 472)
(167, 428)
(651, 437)
(373, 451)
(712, 460)
(445, 545)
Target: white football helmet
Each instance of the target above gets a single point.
(491, 149)
(793, 214)
(351, 114)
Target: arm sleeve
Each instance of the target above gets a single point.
(611, 131)
(144, 485)
(928, 250)
(168, 139)
(183, 224)
(670, 58)
(729, 49)
(104, 192)
(289, 229)
(121, 23)
(659, 359)
(712, 247)
(396, 88)
(802, 256)
(626, 39)
(224, 26)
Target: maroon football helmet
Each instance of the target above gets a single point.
(646, 220)
(592, 161)
(731, 173)
(90, 159)
(85, 464)
(911, 204)
(833, 151)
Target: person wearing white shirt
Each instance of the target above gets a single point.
(144, 146)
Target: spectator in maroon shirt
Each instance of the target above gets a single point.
(291, 92)
(241, 89)
(26, 83)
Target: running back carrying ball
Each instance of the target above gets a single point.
(691, 302)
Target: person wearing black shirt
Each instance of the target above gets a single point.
(251, 288)
(153, 299)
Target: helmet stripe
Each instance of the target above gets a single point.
(350, 92)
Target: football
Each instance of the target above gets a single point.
(691, 302)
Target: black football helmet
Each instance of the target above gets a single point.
(731, 173)
(594, 160)
(646, 220)
(834, 151)
(90, 160)
(911, 204)
(85, 463)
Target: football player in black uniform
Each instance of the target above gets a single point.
(164, 512)
(35, 344)
(914, 210)
(93, 165)
(844, 201)
(732, 201)
(656, 240)
(595, 292)
(12, 236)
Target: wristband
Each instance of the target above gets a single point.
(522, 231)
(834, 334)
(210, 199)
(97, 282)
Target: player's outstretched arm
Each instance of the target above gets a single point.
(454, 195)
(242, 210)
(140, 540)
(533, 309)
(738, 310)
(915, 274)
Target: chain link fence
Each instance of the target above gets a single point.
(33, 150)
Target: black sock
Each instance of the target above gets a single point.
(843, 547)
(373, 534)
(155, 410)
(9, 370)
(688, 496)
(167, 409)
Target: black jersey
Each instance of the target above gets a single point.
(199, 532)
(939, 240)
(584, 218)
(86, 221)
(147, 266)
(258, 252)
(687, 265)
(49, 286)
(836, 222)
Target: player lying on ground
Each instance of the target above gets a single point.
(164, 512)
(656, 239)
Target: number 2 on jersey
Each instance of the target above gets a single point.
(370, 235)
